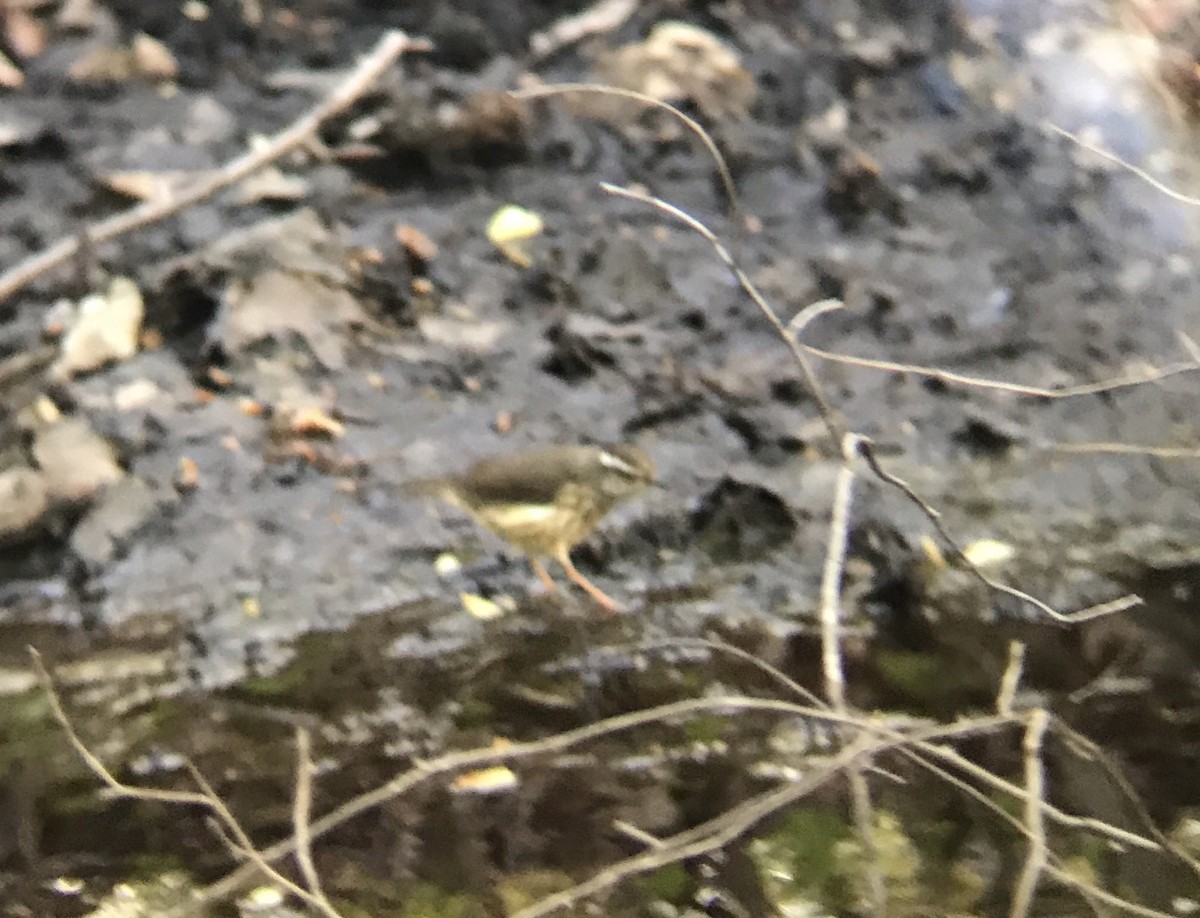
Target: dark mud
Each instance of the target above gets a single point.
(894, 156)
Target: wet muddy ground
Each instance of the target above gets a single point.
(226, 548)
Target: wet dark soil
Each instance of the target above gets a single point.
(893, 156)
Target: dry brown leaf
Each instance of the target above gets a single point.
(26, 35)
(416, 243)
(153, 59)
(681, 62)
(11, 76)
(187, 478)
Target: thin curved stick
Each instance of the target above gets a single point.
(833, 424)
(1125, 164)
(1151, 374)
(692, 124)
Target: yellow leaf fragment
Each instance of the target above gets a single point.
(485, 781)
(447, 564)
(989, 553)
(481, 607)
(510, 228)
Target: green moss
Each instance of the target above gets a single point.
(917, 675)
(668, 883)
(799, 856)
(707, 728)
(522, 890)
(427, 901)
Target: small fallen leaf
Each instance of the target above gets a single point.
(142, 185)
(485, 781)
(153, 59)
(989, 553)
(447, 564)
(510, 228)
(187, 478)
(104, 65)
(416, 243)
(26, 35)
(307, 422)
(105, 329)
(480, 607)
(11, 76)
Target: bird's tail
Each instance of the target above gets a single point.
(439, 488)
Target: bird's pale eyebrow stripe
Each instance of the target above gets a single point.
(616, 463)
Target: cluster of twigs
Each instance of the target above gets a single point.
(863, 740)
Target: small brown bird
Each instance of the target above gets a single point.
(547, 500)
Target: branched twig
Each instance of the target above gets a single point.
(1099, 610)
(927, 754)
(301, 812)
(229, 829)
(704, 838)
(455, 762)
(833, 424)
(836, 429)
(390, 47)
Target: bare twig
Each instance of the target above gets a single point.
(1125, 164)
(1128, 449)
(1007, 694)
(604, 16)
(691, 123)
(1100, 610)
(241, 846)
(833, 423)
(229, 829)
(831, 661)
(702, 839)
(389, 48)
(479, 758)
(1147, 375)
(927, 754)
(831, 578)
(1035, 826)
(301, 812)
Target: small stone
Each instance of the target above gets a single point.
(23, 501)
